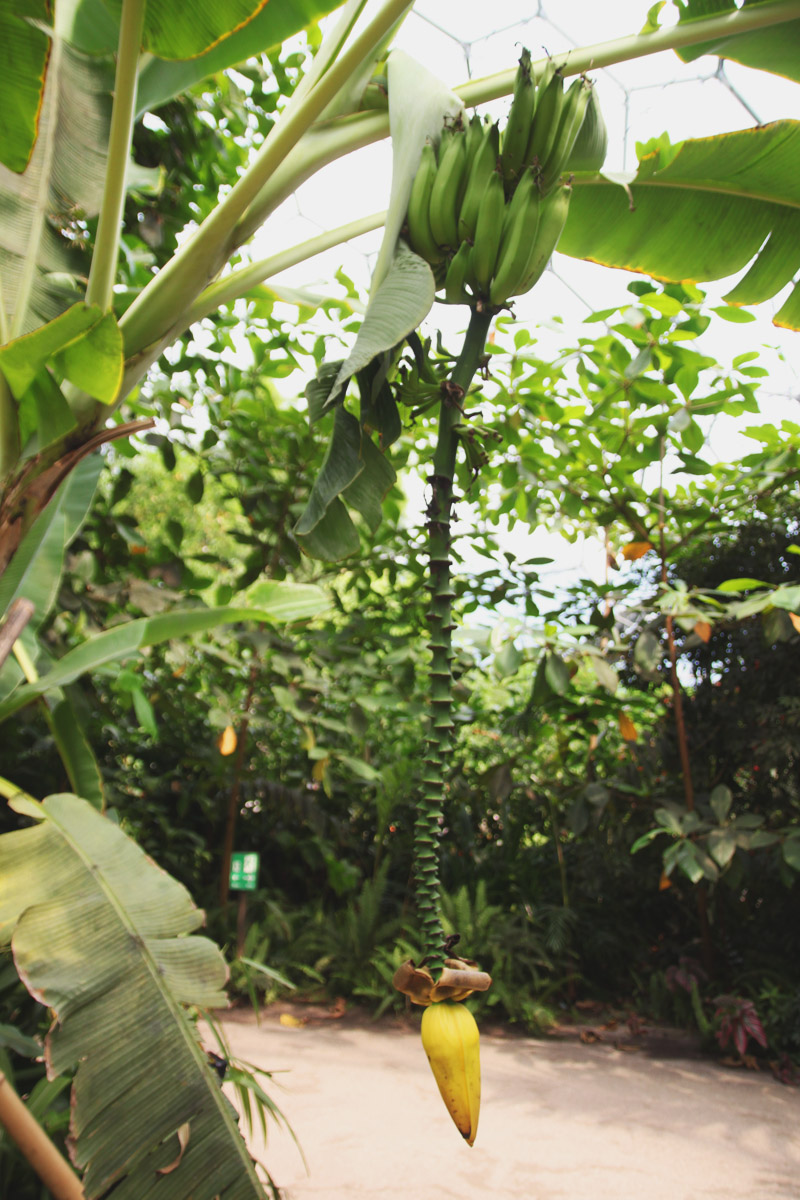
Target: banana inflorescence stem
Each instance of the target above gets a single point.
(440, 622)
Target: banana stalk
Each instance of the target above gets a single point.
(440, 623)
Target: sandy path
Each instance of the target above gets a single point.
(558, 1119)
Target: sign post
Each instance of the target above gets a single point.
(243, 879)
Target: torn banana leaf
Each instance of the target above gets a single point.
(100, 935)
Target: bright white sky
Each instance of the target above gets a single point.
(456, 40)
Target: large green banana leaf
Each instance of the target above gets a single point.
(100, 935)
(702, 209)
(275, 601)
(775, 49)
(38, 271)
(24, 48)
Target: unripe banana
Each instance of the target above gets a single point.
(483, 167)
(546, 118)
(488, 232)
(446, 191)
(474, 140)
(457, 275)
(572, 115)
(458, 272)
(418, 219)
(519, 237)
(589, 151)
(518, 127)
(552, 219)
(451, 1041)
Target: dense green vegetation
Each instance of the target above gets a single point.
(251, 629)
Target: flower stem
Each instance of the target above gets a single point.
(440, 623)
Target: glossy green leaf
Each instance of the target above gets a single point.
(44, 415)
(75, 752)
(334, 537)
(647, 652)
(400, 304)
(721, 800)
(287, 601)
(23, 359)
(775, 49)
(556, 672)
(508, 660)
(368, 489)
(342, 464)
(722, 846)
(606, 675)
(24, 49)
(276, 21)
(703, 209)
(94, 362)
(101, 936)
(35, 570)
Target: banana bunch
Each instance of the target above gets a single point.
(487, 213)
(451, 1041)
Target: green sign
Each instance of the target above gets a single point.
(244, 871)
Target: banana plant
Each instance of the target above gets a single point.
(69, 361)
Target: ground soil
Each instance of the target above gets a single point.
(604, 1111)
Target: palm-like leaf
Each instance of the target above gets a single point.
(100, 935)
(702, 209)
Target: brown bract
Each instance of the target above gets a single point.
(460, 977)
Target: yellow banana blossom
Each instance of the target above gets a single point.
(451, 1041)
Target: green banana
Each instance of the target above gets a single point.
(488, 231)
(572, 116)
(479, 173)
(589, 149)
(445, 193)
(519, 237)
(457, 275)
(518, 125)
(474, 140)
(546, 118)
(451, 1041)
(418, 218)
(552, 219)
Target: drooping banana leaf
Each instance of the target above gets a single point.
(702, 209)
(171, 30)
(775, 49)
(64, 178)
(24, 48)
(100, 935)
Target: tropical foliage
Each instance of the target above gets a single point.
(152, 639)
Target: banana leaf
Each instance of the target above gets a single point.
(277, 601)
(100, 935)
(775, 49)
(65, 176)
(702, 209)
(23, 58)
